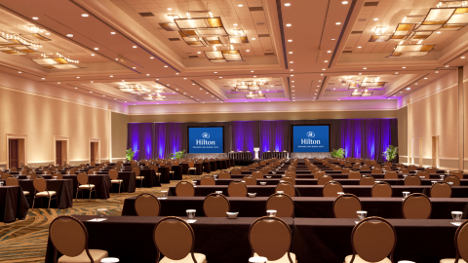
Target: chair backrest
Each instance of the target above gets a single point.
(270, 237)
(382, 189)
(237, 189)
(216, 205)
(224, 175)
(5, 176)
(373, 239)
(147, 205)
(412, 180)
(136, 170)
(431, 170)
(82, 178)
(441, 190)
(404, 170)
(354, 175)
(365, 168)
(331, 189)
(257, 175)
(287, 188)
(457, 173)
(207, 180)
(376, 171)
(417, 206)
(345, 206)
(236, 171)
(58, 174)
(345, 171)
(249, 180)
(289, 179)
(391, 175)
(11, 181)
(283, 204)
(324, 179)
(184, 188)
(367, 180)
(318, 174)
(40, 184)
(191, 164)
(69, 236)
(454, 179)
(174, 238)
(425, 174)
(245, 168)
(113, 174)
(461, 235)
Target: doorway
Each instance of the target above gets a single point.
(435, 151)
(61, 153)
(16, 153)
(94, 152)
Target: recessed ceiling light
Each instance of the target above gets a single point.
(35, 18)
(151, 57)
(359, 47)
(43, 78)
(425, 78)
(133, 67)
(462, 57)
(291, 81)
(344, 2)
(92, 55)
(376, 19)
(403, 67)
(215, 72)
(290, 40)
(324, 69)
(329, 51)
(77, 77)
(169, 9)
(165, 66)
(90, 92)
(248, 50)
(103, 95)
(338, 23)
(235, 25)
(76, 87)
(96, 48)
(290, 52)
(84, 15)
(220, 77)
(69, 35)
(185, 78)
(437, 72)
(447, 66)
(134, 47)
(177, 73)
(240, 5)
(147, 74)
(290, 62)
(291, 70)
(111, 76)
(360, 73)
(287, 4)
(292, 75)
(199, 52)
(364, 68)
(47, 33)
(112, 33)
(255, 76)
(288, 25)
(253, 38)
(20, 72)
(58, 82)
(408, 88)
(438, 32)
(396, 73)
(326, 61)
(338, 99)
(333, 39)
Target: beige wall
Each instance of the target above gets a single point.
(402, 115)
(119, 135)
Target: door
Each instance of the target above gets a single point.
(93, 157)
(13, 152)
(58, 152)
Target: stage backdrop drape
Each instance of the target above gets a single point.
(361, 138)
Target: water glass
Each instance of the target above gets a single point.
(340, 193)
(55, 177)
(433, 182)
(219, 192)
(447, 171)
(28, 177)
(361, 214)
(280, 192)
(164, 193)
(102, 212)
(271, 213)
(404, 176)
(194, 183)
(215, 176)
(191, 213)
(258, 260)
(457, 215)
(1, 183)
(406, 194)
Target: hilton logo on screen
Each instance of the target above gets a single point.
(310, 134)
(203, 141)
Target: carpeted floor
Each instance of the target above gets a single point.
(26, 240)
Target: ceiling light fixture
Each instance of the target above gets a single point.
(240, 5)
(290, 52)
(408, 88)
(92, 55)
(288, 25)
(359, 47)
(35, 18)
(96, 48)
(253, 38)
(338, 23)
(84, 15)
(290, 40)
(112, 33)
(344, 2)
(134, 47)
(69, 35)
(462, 57)
(287, 4)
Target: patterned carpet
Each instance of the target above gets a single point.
(26, 240)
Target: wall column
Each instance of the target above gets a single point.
(461, 122)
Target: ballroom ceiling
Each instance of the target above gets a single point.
(140, 52)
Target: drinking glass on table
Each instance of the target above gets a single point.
(164, 193)
(102, 212)
(442, 177)
(271, 213)
(406, 194)
(191, 213)
(1, 183)
(457, 215)
(194, 183)
(55, 177)
(361, 214)
(28, 177)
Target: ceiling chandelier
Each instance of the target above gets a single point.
(250, 85)
(361, 93)
(366, 83)
(148, 92)
(58, 61)
(255, 95)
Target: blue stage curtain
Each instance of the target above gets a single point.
(244, 136)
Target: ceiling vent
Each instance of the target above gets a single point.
(371, 4)
(362, 19)
(261, 24)
(174, 39)
(263, 35)
(193, 56)
(146, 14)
(252, 9)
(348, 51)
(356, 32)
(269, 54)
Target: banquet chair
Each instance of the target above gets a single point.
(40, 189)
(287, 188)
(245, 169)
(282, 203)
(376, 171)
(367, 180)
(5, 176)
(290, 173)
(322, 180)
(184, 188)
(412, 180)
(147, 205)
(417, 206)
(271, 237)
(345, 206)
(373, 240)
(155, 169)
(58, 174)
(345, 171)
(114, 177)
(391, 175)
(69, 237)
(314, 170)
(92, 171)
(13, 181)
(46, 172)
(336, 168)
(354, 175)
(82, 179)
(453, 179)
(457, 174)
(404, 170)
(319, 174)
(249, 180)
(412, 168)
(461, 250)
(264, 171)
(207, 180)
(382, 189)
(138, 177)
(377, 166)
(215, 205)
(365, 168)
(191, 167)
(331, 189)
(441, 190)
(431, 170)
(289, 179)
(175, 239)
(237, 189)
(425, 174)
(236, 171)
(13, 169)
(357, 166)
(224, 175)
(257, 175)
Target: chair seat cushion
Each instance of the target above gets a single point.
(283, 259)
(46, 193)
(86, 186)
(358, 259)
(198, 256)
(116, 181)
(192, 168)
(26, 192)
(451, 260)
(96, 254)
(140, 177)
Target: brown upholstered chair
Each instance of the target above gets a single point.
(417, 206)
(453, 179)
(404, 171)
(412, 168)
(382, 189)
(257, 175)
(249, 180)
(216, 205)
(271, 237)
(345, 171)
(367, 180)
(13, 181)
(237, 189)
(461, 250)
(287, 187)
(184, 188)
(5, 176)
(147, 205)
(224, 175)
(376, 171)
(424, 173)
(283, 204)
(82, 179)
(289, 179)
(331, 189)
(412, 180)
(457, 174)
(70, 237)
(431, 170)
(441, 190)
(236, 171)
(324, 179)
(365, 168)
(114, 177)
(373, 240)
(207, 180)
(40, 189)
(138, 177)
(345, 206)
(58, 174)
(391, 175)
(175, 239)
(13, 169)
(319, 174)
(245, 169)
(354, 175)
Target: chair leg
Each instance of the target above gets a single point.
(50, 199)
(120, 184)
(34, 200)
(90, 190)
(77, 190)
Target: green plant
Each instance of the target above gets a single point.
(130, 154)
(340, 153)
(390, 153)
(178, 155)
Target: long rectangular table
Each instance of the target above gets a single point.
(13, 204)
(224, 240)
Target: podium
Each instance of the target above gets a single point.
(256, 149)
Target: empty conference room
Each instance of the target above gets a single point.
(231, 131)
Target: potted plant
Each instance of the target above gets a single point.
(130, 154)
(340, 153)
(390, 153)
(178, 155)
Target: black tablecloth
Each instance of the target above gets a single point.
(64, 192)
(164, 179)
(240, 156)
(177, 172)
(207, 167)
(151, 180)
(129, 181)
(13, 204)
(279, 155)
